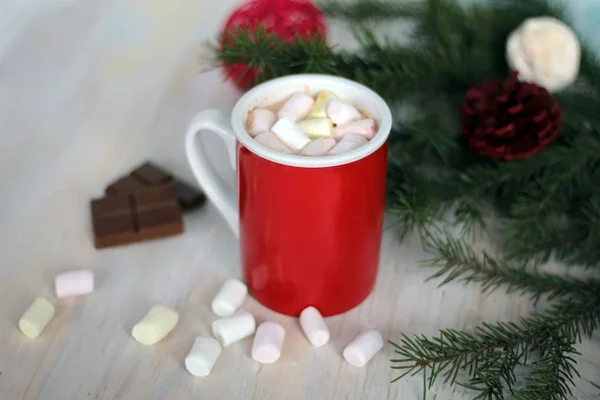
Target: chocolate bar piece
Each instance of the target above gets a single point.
(149, 213)
(149, 175)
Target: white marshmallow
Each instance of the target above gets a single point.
(364, 127)
(157, 324)
(202, 357)
(546, 51)
(319, 110)
(268, 342)
(341, 112)
(318, 147)
(270, 140)
(363, 348)
(316, 127)
(314, 327)
(230, 298)
(297, 106)
(290, 134)
(37, 316)
(262, 120)
(235, 327)
(74, 283)
(349, 142)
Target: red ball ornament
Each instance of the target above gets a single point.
(509, 119)
(285, 18)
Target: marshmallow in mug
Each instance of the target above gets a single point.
(311, 127)
(261, 120)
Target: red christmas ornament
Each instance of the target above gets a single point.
(509, 119)
(285, 18)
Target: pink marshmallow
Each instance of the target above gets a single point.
(297, 107)
(74, 283)
(341, 112)
(349, 142)
(271, 141)
(318, 147)
(364, 127)
(261, 121)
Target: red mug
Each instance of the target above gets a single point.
(309, 227)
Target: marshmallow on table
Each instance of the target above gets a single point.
(290, 134)
(319, 110)
(318, 147)
(271, 141)
(157, 324)
(235, 327)
(297, 106)
(314, 327)
(349, 142)
(230, 298)
(363, 348)
(261, 120)
(364, 127)
(341, 112)
(74, 283)
(202, 356)
(316, 127)
(268, 342)
(37, 316)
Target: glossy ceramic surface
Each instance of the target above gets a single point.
(311, 236)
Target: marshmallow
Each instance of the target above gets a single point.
(202, 357)
(230, 298)
(74, 283)
(364, 127)
(316, 127)
(318, 147)
(319, 110)
(261, 120)
(363, 348)
(349, 142)
(341, 112)
(157, 324)
(236, 327)
(268, 342)
(271, 141)
(314, 327)
(37, 316)
(297, 106)
(290, 134)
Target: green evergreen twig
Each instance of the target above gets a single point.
(456, 260)
(489, 355)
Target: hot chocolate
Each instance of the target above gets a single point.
(302, 125)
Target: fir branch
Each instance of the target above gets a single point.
(446, 355)
(271, 57)
(357, 11)
(573, 239)
(458, 261)
(411, 204)
(553, 375)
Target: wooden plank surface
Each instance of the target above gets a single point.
(88, 90)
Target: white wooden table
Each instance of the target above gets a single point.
(88, 90)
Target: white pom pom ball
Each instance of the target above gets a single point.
(545, 51)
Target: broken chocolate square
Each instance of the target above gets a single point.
(149, 175)
(128, 218)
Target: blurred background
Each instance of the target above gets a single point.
(88, 90)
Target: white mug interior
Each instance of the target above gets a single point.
(276, 90)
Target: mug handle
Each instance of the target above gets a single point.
(222, 194)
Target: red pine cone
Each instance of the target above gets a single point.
(285, 18)
(509, 120)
